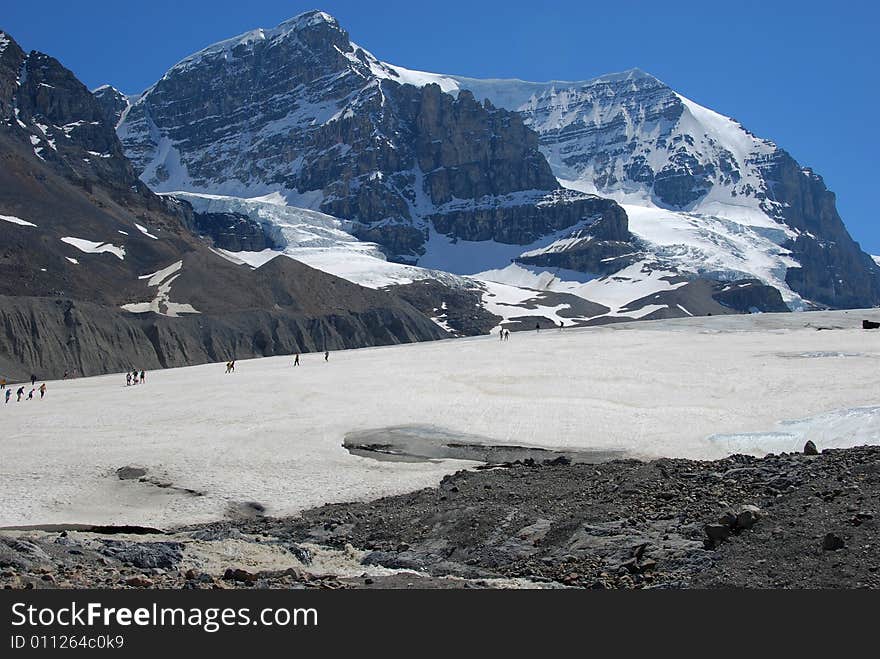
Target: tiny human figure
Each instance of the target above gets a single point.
(296, 360)
(507, 335)
(128, 379)
(2, 383)
(326, 356)
(33, 379)
(8, 395)
(501, 334)
(19, 394)
(561, 325)
(227, 367)
(143, 377)
(31, 394)
(42, 390)
(537, 327)
(65, 375)
(232, 366)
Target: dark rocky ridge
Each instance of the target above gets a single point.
(288, 308)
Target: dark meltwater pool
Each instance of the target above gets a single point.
(418, 443)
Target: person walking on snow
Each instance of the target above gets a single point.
(326, 356)
(296, 360)
(8, 395)
(2, 383)
(128, 379)
(143, 377)
(42, 390)
(33, 379)
(19, 394)
(31, 394)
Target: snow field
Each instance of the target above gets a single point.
(273, 434)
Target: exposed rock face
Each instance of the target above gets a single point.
(460, 309)
(748, 296)
(113, 103)
(604, 247)
(834, 270)
(329, 127)
(233, 231)
(43, 103)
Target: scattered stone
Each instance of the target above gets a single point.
(130, 473)
(139, 582)
(302, 554)
(146, 554)
(728, 519)
(238, 574)
(717, 532)
(747, 517)
(810, 448)
(832, 542)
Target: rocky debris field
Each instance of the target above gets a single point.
(783, 521)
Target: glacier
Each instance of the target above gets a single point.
(273, 434)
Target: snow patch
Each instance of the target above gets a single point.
(146, 232)
(161, 304)
(16, 220)
(91, 247)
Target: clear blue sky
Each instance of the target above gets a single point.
(804, 73)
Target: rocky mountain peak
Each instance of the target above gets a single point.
(113, 102)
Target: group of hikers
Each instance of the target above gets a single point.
(19, 394)
(230, 366)
(504, 333)
(296, 357)
(134, 377)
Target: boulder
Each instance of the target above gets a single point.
(832, 542)
(747, 517)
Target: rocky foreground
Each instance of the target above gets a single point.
(783, 521)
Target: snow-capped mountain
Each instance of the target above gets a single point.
(301, 111)
(98, 273)
(703, 194)
(619, 188)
